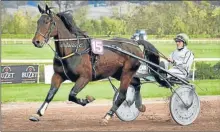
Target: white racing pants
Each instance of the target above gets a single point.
(177, 72)
(174, 70)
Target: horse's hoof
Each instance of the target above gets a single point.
(104, 122)
(35, 118)
(142, 108)
(90, 98)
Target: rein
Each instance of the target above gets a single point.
(67, 56)
(46, 36)
(160, 54)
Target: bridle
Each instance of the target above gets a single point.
(46, 36)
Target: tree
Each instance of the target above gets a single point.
(97, 29)
(20, 22)
(215, 22)
(31, 24)
(112, 26)
(80, 15)
(7, 24)
(69, 4)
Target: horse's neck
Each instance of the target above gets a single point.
(63, 32)
(62, 46)
(67, 47)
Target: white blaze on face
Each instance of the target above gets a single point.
(42, 111)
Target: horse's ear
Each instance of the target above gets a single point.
(48, 11)
(47, 8)
(40, 9)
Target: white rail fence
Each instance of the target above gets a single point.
(45, 62)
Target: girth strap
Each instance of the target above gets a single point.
(93, 58)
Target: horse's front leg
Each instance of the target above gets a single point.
(55, 84)
(79, 85)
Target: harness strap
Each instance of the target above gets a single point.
(72, 54)
(93, 59)
(68, 56)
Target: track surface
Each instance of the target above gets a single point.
(64, 116)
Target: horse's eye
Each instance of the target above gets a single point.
(46, 21)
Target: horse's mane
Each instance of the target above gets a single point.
(69, 23)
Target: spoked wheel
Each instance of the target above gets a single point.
(186, 111)
(127, 111)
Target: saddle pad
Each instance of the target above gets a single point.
(97, 46)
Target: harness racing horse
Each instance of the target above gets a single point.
(75, 61)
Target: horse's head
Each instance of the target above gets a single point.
(46, 27)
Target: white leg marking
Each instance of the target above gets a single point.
(44, 108)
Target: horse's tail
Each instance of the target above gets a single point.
(151, 54)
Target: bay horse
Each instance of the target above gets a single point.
(75, 61)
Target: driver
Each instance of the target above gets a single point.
(181, 59)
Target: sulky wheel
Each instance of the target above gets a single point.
(127, 111)
(184, 114)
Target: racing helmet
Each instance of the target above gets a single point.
(182, 37)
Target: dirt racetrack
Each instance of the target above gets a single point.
(62, 116)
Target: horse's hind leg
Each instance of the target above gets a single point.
(79, 85)
(124, 83)
(135, 82)
(55, 84)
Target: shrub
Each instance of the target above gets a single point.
(207, 71)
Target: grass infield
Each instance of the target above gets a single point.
(98, 89)
(28, 51)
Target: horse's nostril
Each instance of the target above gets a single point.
(37, 42)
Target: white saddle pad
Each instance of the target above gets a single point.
(97, 46)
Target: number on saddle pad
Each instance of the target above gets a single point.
(97, 46)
